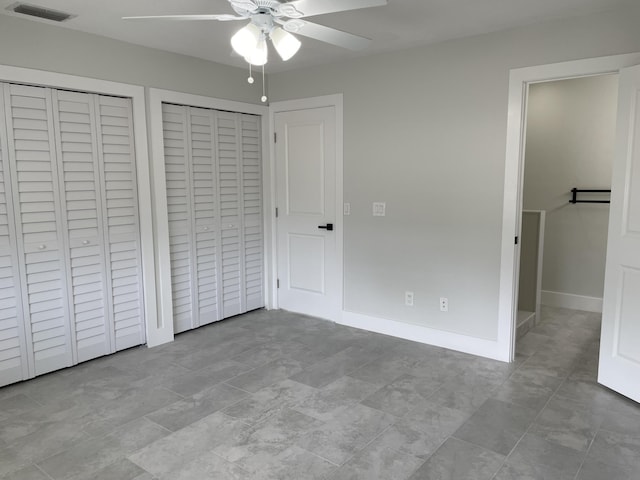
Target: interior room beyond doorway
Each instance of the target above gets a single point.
(570, 141)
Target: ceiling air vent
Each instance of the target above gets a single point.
(40, 12)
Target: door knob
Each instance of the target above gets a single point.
(328, 226)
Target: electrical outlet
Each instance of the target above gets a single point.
(379, 209)
(347, 209)
(444, 304)
(408, 299)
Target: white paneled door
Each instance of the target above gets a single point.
(620, 343)
(308, 267)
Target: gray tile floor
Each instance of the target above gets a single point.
(272, 395)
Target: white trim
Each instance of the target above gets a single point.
(179, 98)
(542, 226)
(136, 94)
(572, 301)
(519, 80)
(163, 270)
(429, 336)
(335, 101)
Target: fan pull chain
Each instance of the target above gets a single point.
(264, 95)
(250, 79)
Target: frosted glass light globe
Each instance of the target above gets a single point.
(286, 44)
(259, 54)
(246, 39)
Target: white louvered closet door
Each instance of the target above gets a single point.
(70, 260)
(214, 200)
(205, 213)
(230, 188)
(13, 353)
(77, 152)
(252, 212)
(114, 122)
(178, 182)
(40, 241)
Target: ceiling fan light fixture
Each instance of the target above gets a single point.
(258, 56)
(246, 40)
(285, 44)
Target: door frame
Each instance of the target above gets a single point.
(335, 101)
(519, 81)
(160, 212)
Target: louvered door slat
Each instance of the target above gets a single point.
(252, 212)
(229, 185)
(90, 313)
(178, 183)
(40, 240)
(120, 213)
(13, 352)
(205, 213)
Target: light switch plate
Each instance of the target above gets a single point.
(347, 209)
(379, 209)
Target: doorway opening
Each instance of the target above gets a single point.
(569, 144)
(618, 360)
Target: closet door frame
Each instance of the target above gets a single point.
(163, 266)
(156, 331)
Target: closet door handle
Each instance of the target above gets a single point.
(328, 227)
(42, 247)
(85, 242)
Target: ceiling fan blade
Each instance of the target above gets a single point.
(326, 34)
(222, 18)
(244, 5)
(309, 8)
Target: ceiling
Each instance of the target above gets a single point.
(400, 24)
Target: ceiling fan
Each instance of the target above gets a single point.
(277, 20)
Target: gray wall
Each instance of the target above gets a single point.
(425, 131)
(31, 44)
(571, 128)
(529, 260)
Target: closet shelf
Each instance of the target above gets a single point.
(576, 191)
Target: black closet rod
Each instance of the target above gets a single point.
(576, 191)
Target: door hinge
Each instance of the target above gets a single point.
(276, 212)
(278, 283)
(516, 240)
(275, 137)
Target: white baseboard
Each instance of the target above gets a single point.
(439, 338)
(574, 302)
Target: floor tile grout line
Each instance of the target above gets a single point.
(321, 457)
(506, 458)
(145, 417)
(355, 454)
(230, 462)
(551, 397)
(41, 470)
(33, 399)
(586, 453)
